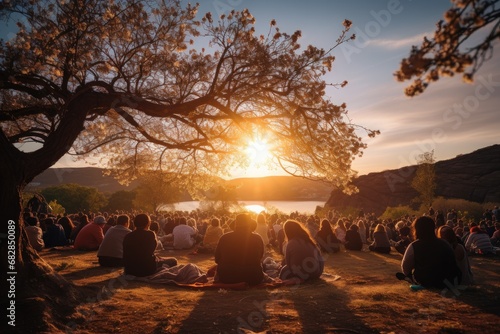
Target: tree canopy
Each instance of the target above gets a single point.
(462, 42)
(147, 85)
(75, 198)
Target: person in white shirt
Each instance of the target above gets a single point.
(35, 233)
(110, 251)
(184, 235)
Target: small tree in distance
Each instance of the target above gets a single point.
(424, 181)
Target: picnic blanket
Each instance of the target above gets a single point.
(191, 276)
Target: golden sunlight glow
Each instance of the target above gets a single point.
(258, 152)
(255, 208)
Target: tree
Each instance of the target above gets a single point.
(155, 189)
(145, 85)
(220, 197)
(75, 198)
(121, 200)
(476, 22)
(424, 181)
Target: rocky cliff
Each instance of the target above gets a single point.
(474, 177)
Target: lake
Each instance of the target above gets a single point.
(258, 206)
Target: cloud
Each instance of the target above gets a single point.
(397, 43)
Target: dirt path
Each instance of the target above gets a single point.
(366, 299)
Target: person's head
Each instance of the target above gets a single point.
(66, 222)
(99, 220)
(182, 220)
(191, 222)
(155, 227)
(341, 223)
(243, 223)
(447, 233)
(423, 228)
(295, 230)
(379, 228)
(215, 222)
(361, 224)
(142, 221)
(261, 218)
(325, 225)
(32, 221)
(404, 231)
(123, 220)
(354, 228)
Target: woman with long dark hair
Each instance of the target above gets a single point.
(430, 261)
(303, 258)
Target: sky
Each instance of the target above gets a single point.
(451, 117)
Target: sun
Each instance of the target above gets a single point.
(258, 152)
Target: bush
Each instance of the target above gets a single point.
(396, 213)
(56, 208)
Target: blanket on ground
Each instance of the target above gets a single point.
(191, 276)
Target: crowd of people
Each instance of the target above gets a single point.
(434, 247)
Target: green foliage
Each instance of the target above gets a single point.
(121, 200)
(466, 210)
(398, 212)
(75, 198)
(57, 209)
(424, 181)
(220, 197)
(156, 189)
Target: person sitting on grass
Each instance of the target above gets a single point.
(35, 233)
(340, 230)
(446, 233)
(183, 235)
(495, 238)
(303, 257)
(404, 239)
(110, 251)
(381, 243)
(478, 242)
(239, 254)
(139, 247)
(54, 236)
(211, 238)
(353, 238)
(429, 261)
(326, 239)
(91, 235)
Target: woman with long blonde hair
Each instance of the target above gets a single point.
(381, 243)
(303, 258)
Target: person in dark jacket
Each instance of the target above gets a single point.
(353, 238)
(139, 247)
(239, 254)
(430, 261)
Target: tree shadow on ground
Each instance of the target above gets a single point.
(228, 311)
(323, 308)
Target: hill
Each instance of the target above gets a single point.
(474, 177)
(273, 188)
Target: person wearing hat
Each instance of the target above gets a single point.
(239, 254)
(110, 253)
(91, 235)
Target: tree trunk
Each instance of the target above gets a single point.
(33, 288)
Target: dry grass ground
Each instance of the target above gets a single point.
(366, 299)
